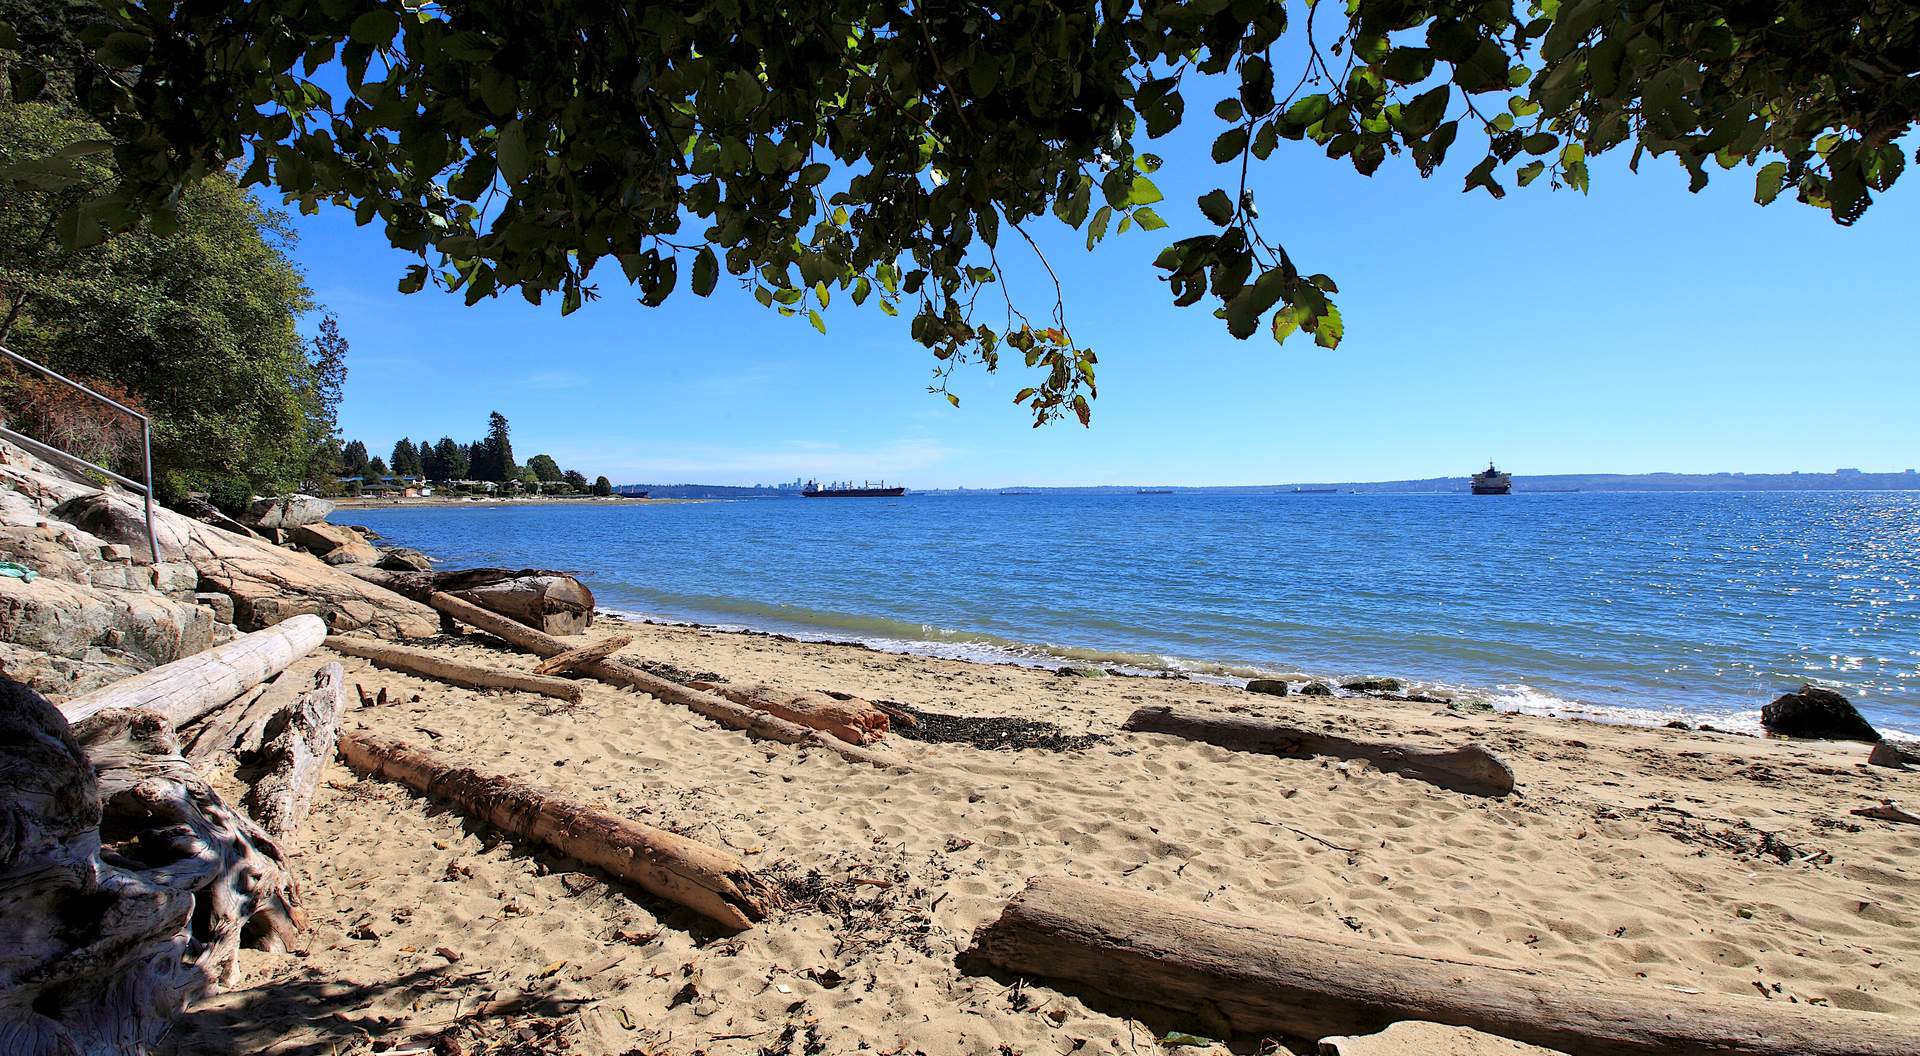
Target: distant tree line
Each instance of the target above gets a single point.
(486, 460)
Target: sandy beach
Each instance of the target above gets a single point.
(1659, 858)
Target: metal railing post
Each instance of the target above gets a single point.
(45, 449)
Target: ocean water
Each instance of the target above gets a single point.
(1630, 607)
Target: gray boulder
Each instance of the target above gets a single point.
(405, 559)
(1276, 687)
(287, 511)
(123, 522)
(1817, 713)
(1373, 685)
(1316, 689)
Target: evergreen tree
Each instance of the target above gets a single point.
(378, 469)
(450, 460)
(320, 391)
(499, 450)
(406, 458)
(353, 461)
(425, 458)
(602, 486)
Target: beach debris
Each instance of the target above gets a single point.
(1276, 687)
(1815, 712)
(540, 598)
(849, 718)
(1316, 689)
(1471, 706)
(444, 669)
(620, 672)
(989, 733)
(674, 673)
(1471, 769)
(705, 879)
(299, 739)
(130, 884)
(1260, 980)
(186, 689)
(1887, 810)
(572, 658)
(1373, 685)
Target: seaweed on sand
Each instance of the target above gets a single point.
(988, 733)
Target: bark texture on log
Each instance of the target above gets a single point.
(242, 729)
(543, 599)
(853, 720)
(1471, 769)
(126, 883)
(1261, 981)
(299, 741)
(427, 665)
(572, 658)
(187, 689)
(620, 673)
(705, 879)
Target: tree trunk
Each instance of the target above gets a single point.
(853, 720)
(1470, 769)
(241, 729)
(186, 689)
(126, 883)
(572, 658)
(472, 676)
(705, 879)
(545, 600)
(620, 673)
(299, 741)
(1259, 981)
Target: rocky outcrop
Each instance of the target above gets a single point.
(320, 538)
(404, 559)
(287, 511)
(354, 553)
(1373, 685)
(122, 522)
(1316, 689)
(1817, 713)
(1276, 687)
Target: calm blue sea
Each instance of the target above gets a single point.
(1636, 607)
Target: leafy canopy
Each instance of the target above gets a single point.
(877, 149)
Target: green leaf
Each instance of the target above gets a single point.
(1308, 109)
(813, 174)
(1285, 322)
(1144, 192)
(375, 28)
(1769, 181)
(1229, 110)
(1148, 219)
(1230, 144)
(818, 323)
(1217, 206)
(1539, 143)
(510, 150)
(706, 271)
(1330, 329)
(1530, 172)
(1098, 229)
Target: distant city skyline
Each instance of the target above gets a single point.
(1638, 328)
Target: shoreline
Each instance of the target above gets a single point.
(437, 502)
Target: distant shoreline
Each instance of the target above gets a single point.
(489, 501)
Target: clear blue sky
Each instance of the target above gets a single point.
(1637, 328)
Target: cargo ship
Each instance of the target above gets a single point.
(846, 489)
(1492, 482)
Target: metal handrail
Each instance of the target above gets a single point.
(48, 450)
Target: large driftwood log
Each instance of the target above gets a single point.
(620, 673)
(186, 689)
(1260, 981)
(572, 658)
(126, 883)
(1470, 769)
(548, 601)
(853, 720)
(705, 879)
(299, 741)
(240, 728)
(427, 665)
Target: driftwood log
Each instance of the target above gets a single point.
(1259, 981)
(572, 658)
(705, 879)
(1887, 810)
(620, 673)
(189, 688)
(1470, 769)
(549, 601)
(126, 883)
(427, 665)
(299, 740)
(851, 719)
(241, 727)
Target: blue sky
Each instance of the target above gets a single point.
(1636, 328)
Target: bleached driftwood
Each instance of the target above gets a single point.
(705, 879)
(1470, 769)
(299, 741)
(1887, 810)
(188, 688)
(126, 884)
(620, 673)
(572, 658)
(549, 601)
(240, 728)
(420, 662)
(851, 719)
(1260, 981)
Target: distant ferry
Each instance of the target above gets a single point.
(850, 490)
(1492, 482)
(1154, 491)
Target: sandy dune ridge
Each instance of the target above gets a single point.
(1704, 862)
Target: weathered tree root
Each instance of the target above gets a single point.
(126, 884)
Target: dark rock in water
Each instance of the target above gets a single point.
(1316, 689)
(1417, 698)
(1276, 687)
(1816, 712)
(1373, 685)
(1678, 725)
(405, 559)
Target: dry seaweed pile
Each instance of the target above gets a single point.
(993, 734)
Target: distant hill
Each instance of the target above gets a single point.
(1841, 480)
(706, 491)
